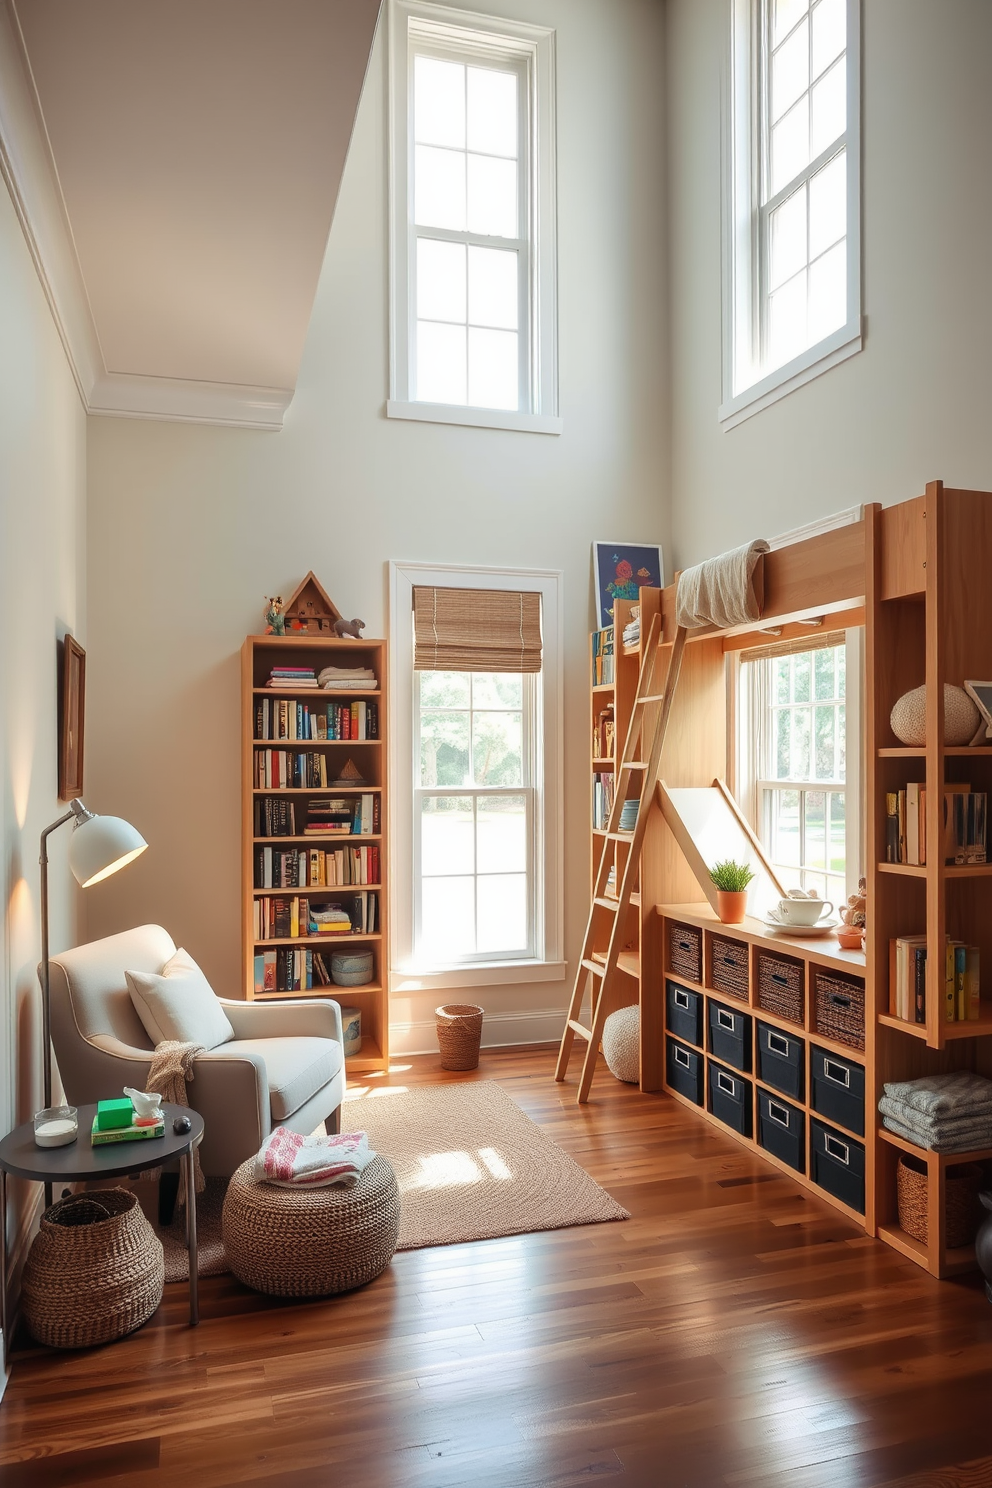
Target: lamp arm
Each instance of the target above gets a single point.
(46, 1012)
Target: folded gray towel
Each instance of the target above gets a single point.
(969, 1140)
(926, 1127)
(944, 1095)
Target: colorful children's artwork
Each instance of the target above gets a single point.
(621, 569)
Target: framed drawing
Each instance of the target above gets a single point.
(72, 713)
(621, 569)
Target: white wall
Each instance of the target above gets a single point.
(913, 406)
(190, 527)
(42, 553)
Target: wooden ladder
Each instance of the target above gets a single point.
(606, 970)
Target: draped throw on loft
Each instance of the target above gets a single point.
(722, 591)
(476, 630)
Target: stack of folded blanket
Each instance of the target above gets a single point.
(292, 1161)
(944, 1113)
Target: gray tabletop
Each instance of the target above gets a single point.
(80, 1160)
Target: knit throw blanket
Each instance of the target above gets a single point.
(720, 591)
(171, 1066)
(292, 1161)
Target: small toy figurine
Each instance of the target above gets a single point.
(853, 912)
(351, 628)
(275, 620)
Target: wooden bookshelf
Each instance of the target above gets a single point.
(259, 654)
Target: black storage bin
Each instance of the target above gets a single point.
(780, 1060)
(782, 1130)
(838, 1089)
(684, 1013)
(684, 1070)
(730, 1099)
(730, 1036)
(837, 1163)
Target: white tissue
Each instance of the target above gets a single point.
(146, 1103)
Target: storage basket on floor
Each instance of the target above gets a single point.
(840, 1008)
(310, 1242)
(780, 986)
(962, 1210)
(728, 966)
(459, 1035)
(685, 951)
(95, 1271)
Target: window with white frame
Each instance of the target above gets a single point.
(472, 252)
(795, 275)
(800, 780)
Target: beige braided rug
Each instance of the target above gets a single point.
(471, 1166)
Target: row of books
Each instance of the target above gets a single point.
(964, 825)
(603, 785)
(602, 656)
(908, 980)
(291, 969)
(604, 734)
(278, 918)
(291, 769)
(314, 868)
(279, 718)
(346, 816)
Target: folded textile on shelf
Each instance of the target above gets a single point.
(967, 1139)
(928, 1126)
(956, 1094)
(290, 1160)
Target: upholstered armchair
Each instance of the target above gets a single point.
(284, 1066)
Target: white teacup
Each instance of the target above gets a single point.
(803, 911)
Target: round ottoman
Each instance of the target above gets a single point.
(622, 1044)
(310, 1242)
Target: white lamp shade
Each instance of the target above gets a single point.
(101, 845)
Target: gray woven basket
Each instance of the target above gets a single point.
(459, 1035)
(95, 1270)
(310, 1242)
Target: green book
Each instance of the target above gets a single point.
(100, 1138)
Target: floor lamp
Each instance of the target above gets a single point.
(98, 847)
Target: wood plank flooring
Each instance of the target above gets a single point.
(735, 1331)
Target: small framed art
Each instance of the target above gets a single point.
(72, 714)
(621, 569)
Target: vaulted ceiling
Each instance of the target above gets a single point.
(175, 164)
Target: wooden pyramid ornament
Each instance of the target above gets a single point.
(309, 610)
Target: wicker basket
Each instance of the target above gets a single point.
(840, 1008)
(962, 1211)
(310, 1242)
(685, 951)
(459, 1034)
(94, 1272)
(781, 987)
(728, 966)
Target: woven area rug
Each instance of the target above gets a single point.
(471, 1166)
(211, 1259)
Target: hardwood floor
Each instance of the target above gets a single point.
(734, 1331)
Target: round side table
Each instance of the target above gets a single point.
(80, 1162)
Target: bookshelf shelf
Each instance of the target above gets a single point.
(957, 751)
(258, 656)
(908, 870)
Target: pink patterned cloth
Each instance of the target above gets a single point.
(291, 1161)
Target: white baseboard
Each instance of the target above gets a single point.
(499, 1031)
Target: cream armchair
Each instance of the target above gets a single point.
(284, 1066)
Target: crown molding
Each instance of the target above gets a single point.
(28, 168)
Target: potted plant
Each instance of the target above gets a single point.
(731, 881)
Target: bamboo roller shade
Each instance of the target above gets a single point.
(476, 630)
(818, 641)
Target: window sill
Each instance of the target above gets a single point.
(795, 374)
(479, 974)
(479, 418)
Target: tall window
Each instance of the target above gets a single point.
(796, 249)
(800, 783)
(473, 252)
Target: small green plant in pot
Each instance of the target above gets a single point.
(731, 880)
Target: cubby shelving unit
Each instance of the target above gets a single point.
(258, 656)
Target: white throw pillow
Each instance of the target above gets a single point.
(179, 1004)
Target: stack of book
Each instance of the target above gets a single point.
(908, 980)
(347, 679)
(964, 825)
(289, 678)
(602, 799)
(632, 630)
(602, 656)
(302, 868)
(279, 718)
(297, 918)
(356, 816)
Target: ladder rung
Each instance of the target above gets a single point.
(580, 1029)
(634, 765)
(618, 836)
(598, 968)
(607, 901)
(654, 697)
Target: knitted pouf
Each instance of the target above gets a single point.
(622, 1044)
(95, 1270)
(908, 717)
(310, 1242)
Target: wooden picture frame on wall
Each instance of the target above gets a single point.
(72, 718)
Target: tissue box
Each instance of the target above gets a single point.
(112, 1114)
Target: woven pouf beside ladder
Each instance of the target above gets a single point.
(622, 1044)
(459, 1035)
(95, 1270)
(310, 1242)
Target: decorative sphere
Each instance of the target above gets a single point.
(908, 717)
(622, 1044)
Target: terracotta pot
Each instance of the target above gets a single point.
(731, 907)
